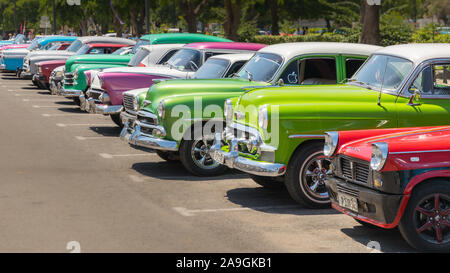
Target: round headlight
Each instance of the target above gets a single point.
(263, 117)
(228, 110)
(161, 109)
(380, 152)
(136, 103)
(331, 142)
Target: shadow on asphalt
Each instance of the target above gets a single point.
(75, 110)
(10, 78)
(174, 170)
(66, 103)
(31, 87)
(390, 240)
(106, 130)
(275, 201)
(44, 92)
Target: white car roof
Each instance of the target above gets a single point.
(234, 57)
(290, 50)
(417, 53)
(104, 39)
(162, 46)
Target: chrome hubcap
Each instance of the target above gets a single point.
(313, 175)
(200, 154)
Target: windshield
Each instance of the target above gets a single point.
(83, 50)
(34, 45)
(261, 67)
(186, 60)
(52, 47)
(212, 69)
(383, 72)
(138, 57)
(139, 44)
(75, 46)
(120, 51)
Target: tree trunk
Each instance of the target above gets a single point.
(233, 19)
(274, 17)
(371, 25)
(133, 20)
(191, 13)
(362, 11)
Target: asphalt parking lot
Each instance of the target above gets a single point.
(66, 176)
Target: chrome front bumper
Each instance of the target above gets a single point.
(92, 106)
(127, 117)
(137, 138)
(232, 160)
(70, 93)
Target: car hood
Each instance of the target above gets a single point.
(16, 52)
(97, 59)
(156, 70)
(186, 90)
(414, 141)
(45, 53)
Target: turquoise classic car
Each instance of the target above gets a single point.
(276, 133)
(177, 115)
(12, 60)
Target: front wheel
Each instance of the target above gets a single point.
(168, 156)
(425, 224)
(305, 176)
(194, 154)
(117, 120)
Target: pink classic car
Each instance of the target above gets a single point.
(106, 93)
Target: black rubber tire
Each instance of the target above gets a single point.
(168, 156)
(267, 182)
(407, 223)
(76, 101)
(293, 185)
(189, 164)
(117, 120)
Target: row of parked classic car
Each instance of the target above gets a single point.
(360, 127)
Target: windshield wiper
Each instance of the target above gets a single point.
(250, 75)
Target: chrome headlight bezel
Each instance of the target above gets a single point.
(59, 73)
(228, 110)
(380, 151)
(331, 143)
(136, 103)
(263, 117)
(146, 103)
(161, 110)
(104, 98)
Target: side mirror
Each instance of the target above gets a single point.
(414, 97)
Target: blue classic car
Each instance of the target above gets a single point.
(19, 39)
(12, 59)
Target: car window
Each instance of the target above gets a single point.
(318, 71)
(212, 69)
(210, 54)
(235, 68)
(351, 66)
(261, 67)
(138, 57)
(290, 74)
(168, 56)
(186, 59)
(434, 80)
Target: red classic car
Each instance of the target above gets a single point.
(44, 71)
(394, 177)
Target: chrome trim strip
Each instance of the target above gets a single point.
(307, 136)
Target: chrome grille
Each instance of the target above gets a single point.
(354, 170)
(94, 93)
(68, 79)
(128, 102)
(147, 122)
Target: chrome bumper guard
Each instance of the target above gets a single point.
(137, 138)
(70, 93)
(232, 159)
(95, 107)
(127, 117)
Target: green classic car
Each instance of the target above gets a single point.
(179, 117)
(276, 133)
(75, 84)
